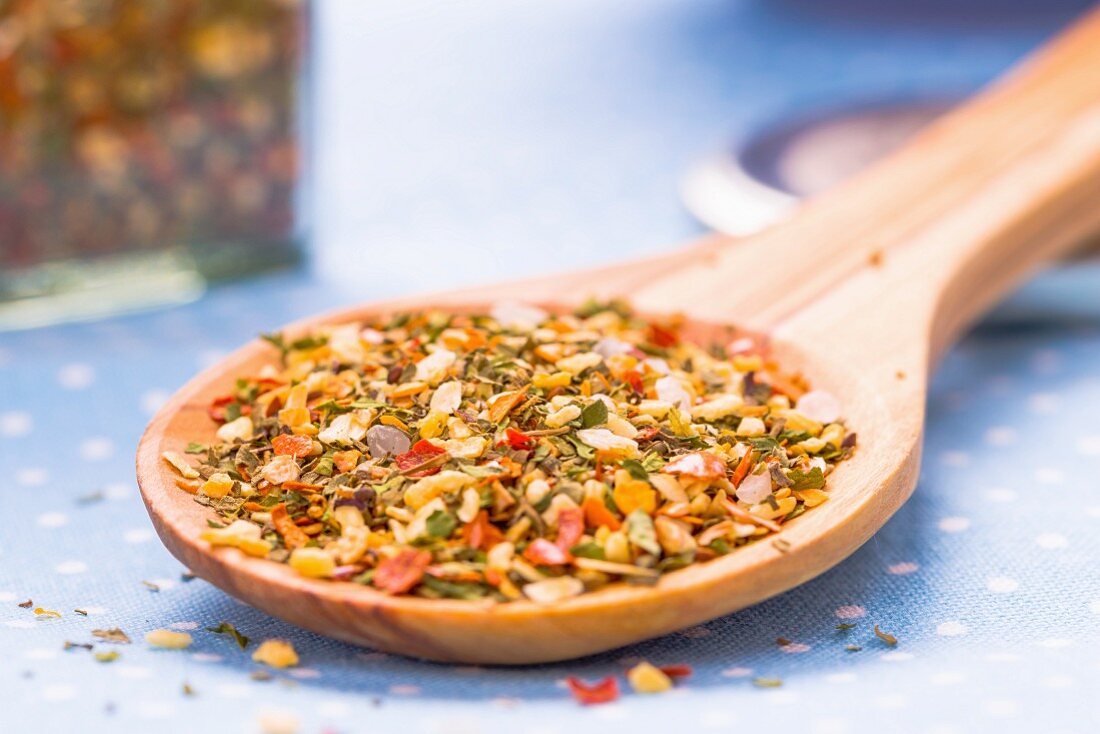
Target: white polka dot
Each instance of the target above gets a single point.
(7, 596)
(1055, 643)
(1051, 541)
(850, 611)
(117, 491)
(951, 628)
(1002, 657)
(96, 449)
(207, 657)
(334, 709)
(15, 423)
(841, 678)
(233, 690)
(1094, 606)
(40, 653)
(71, 567)
(184, 626)
(1002, 585)
(164, 584)
(1059, 681)
(31, 477)
(955, 458)
(892, 701)
(52, 520)
(137, 535)
(716, 719)
(57, 693)
(1043, 403)
(152, 400)
(304, 673)
(611, 712)
(947, 678)
(76, 376)
(831, 726)
(1045, 362)
(155, 710)
(1093, 511)
(1000, 494)
(1001, 707)
(794, 648)
(954, 524)
(133, 672)
(896, 656)
(903, 569)
(1049, 475)
(1000, 436)
(1089, 445)
(780, 698)
(736, 672)
(20, 624)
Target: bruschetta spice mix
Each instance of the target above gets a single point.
(515, 454)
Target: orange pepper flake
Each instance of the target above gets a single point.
(596, 514)
(289, 445)
(743, 467)
(480, 533)
(402, 572)
(345, 461)
(293, 536)
(635, 494)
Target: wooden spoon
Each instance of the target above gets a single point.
(862, 291)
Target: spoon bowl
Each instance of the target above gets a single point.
(861, 292)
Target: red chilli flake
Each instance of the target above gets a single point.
(296, 446)
(570, 527)
(604, 691)
(677, 671)
(421, 452)
(697, 465)
(663, 336)
(216, 411)
(634, 378)
(518, 440)
(542, 552)
(402, 572)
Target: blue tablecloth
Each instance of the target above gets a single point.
(517, 137)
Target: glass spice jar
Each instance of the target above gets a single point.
(145, 147)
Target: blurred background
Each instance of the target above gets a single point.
(149, 147)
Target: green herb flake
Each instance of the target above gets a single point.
(195, 448)
(225, 628)
(813, 479)
(767, 682)
(594, 414)
(641, 532)
(441, 524)
(845, 626)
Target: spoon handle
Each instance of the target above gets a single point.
(938, 230)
